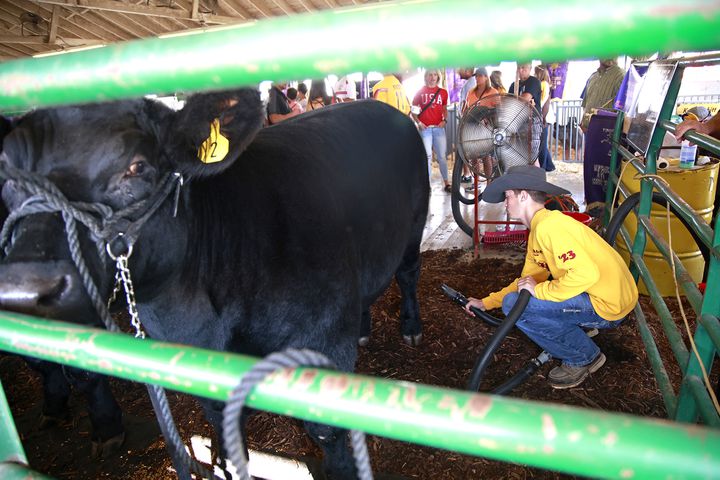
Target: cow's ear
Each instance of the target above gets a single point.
(212, 130)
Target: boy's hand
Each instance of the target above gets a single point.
(527, 283)
(474, 302)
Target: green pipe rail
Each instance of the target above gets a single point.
(693, 401)
(573, 440)
(388, 36)
(391, 36)
(13, 462)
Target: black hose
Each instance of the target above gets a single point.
(630, 203)
(497, 338)
(526, 372)
(456, 197)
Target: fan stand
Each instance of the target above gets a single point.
(501, 141)
(517, 237)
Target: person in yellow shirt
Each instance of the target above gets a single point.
(391, 91)
(575, 278)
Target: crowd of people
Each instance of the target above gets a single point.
(429, 106)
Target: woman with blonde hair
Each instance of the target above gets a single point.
(545, 157)
(496, 81)
(429, 110)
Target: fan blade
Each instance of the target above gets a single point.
(476, 140)
(509, 111)
(517, 150)
(476, 132)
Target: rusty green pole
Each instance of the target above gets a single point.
(11, 449)
(567, 439)
(384, 37)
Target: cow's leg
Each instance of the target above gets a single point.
(407, 276)
(214, 414)
(56, 392)
(108, 432)
(365, 327)
(338, 462)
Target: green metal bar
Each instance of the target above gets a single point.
(11, 449)
(612, 177)
(383, 36)
(656, 363)
(685, 281)
(650, 167)
(712, 325)
(695, 221)
(14, 471)
(705, 407)
(677, 344)
(687, 407)
(573, 440)
(705, 141)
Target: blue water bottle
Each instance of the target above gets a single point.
(687, 154)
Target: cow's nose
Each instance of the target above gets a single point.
(26, 287)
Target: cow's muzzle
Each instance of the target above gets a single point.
(45, 289)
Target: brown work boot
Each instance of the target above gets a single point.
(566, 376)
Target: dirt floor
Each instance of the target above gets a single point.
(452, 342)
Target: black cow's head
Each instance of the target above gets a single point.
(117, 155)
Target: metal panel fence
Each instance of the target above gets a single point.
(696, 398)
(567, 141)
(579, 441)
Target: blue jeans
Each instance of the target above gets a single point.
(556, 326)
(545, 157)
(434, 138)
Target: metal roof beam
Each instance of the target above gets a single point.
(165, 12)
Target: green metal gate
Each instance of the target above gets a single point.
(695, 398)
(395, 36)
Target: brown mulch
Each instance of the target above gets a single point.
(452, 343)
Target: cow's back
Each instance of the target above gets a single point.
(343, 186)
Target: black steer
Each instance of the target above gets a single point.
(284, 240)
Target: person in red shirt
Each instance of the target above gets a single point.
(429, 111)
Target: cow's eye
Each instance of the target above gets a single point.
(136, 168)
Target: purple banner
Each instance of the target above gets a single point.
(558, 73)
(596, 165)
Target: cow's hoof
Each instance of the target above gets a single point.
(364, 341)
(107, 448)
(52, 421)
(413, 340)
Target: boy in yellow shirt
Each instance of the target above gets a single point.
(590, 286)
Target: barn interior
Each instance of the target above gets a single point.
(42, 42)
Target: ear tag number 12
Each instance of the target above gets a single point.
(215, 147)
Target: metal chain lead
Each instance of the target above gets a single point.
(116, 290)
(121, 262)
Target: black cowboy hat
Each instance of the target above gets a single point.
(523, 177)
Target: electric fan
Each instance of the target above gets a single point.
(502, 127)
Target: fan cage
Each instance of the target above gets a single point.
(503, 127)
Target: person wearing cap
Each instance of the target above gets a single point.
(345, 90)
(576, 280)
(484, 95)
(429, 110)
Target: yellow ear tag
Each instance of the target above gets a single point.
(215, 147)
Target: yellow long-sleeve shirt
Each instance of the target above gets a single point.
(579, 261)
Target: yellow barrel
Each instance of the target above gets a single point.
(697, 187)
